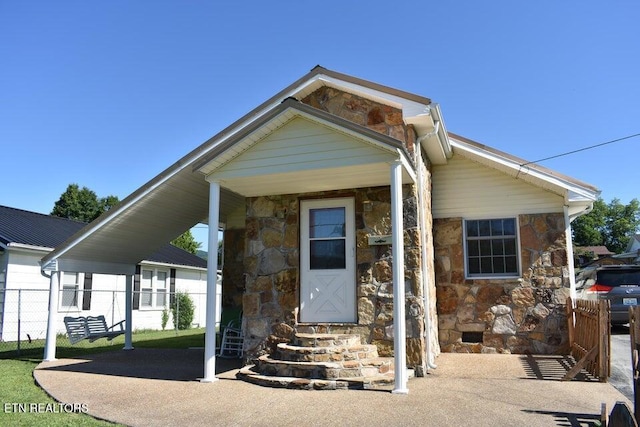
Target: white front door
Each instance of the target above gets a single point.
(327, 261)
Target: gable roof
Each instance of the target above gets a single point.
(21, 228)
(158, 211)
(303, 149)
(178, 198)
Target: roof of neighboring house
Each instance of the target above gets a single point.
(597, 250)
(634, 239)
(22, 227)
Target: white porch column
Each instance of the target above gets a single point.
(568, 238)
(399, 321)
(128, 315)
(54, 290)
(212, 277)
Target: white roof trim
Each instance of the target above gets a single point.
(571, 190)
(176, 266)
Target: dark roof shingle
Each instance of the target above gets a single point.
(47, 231)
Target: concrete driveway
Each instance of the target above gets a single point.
(145, 387)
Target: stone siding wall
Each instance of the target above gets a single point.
(505, 315)
(272, 276)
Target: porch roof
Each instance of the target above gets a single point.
(178, 198)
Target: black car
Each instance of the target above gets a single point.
(620, 284)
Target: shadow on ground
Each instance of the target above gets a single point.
(570, 419)
(168, 364)
(552, 368)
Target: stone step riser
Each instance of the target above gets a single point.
(325, 340)
(249, 374)
(361, 368)
(325, 354)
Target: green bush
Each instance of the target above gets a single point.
(182, 310)
(165, 318)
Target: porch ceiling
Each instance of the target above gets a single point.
(340, 178)
(142, 224)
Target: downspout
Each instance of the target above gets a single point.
(567, 233)
(567, 223)
(426, 300)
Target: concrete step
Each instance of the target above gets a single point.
(341, 353)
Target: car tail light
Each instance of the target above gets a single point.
(599, 289)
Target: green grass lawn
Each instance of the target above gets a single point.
(18, 389)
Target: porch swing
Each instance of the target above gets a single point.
(92, 328)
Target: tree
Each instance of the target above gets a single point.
(187, 242)
(611, 225)
(81, 204)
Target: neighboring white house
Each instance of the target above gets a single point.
(25, 237)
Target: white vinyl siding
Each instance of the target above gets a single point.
(299, 146)
(463, 188)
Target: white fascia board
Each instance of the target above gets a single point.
(168, 265)
(24, 247)
(563, 185)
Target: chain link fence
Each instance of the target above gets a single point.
(24, 313)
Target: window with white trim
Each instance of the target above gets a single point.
(70, 291)
(153, 288)
(491, 247)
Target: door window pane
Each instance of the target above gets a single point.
(328, 222)
(327, 254)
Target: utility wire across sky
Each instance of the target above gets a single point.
(583, 149)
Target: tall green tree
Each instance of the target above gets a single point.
(611, 225)
(82, 204)
(187, 242)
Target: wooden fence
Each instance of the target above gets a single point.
(590, 337)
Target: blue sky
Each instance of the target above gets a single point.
(107, 94)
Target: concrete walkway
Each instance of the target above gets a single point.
(146, 387)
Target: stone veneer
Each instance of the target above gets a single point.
(268, 279)
(272, 283)
(523, 315)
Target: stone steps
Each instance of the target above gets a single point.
(322, 362)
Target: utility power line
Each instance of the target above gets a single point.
(583, 149)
